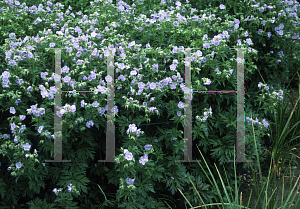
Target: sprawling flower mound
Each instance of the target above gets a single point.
(148, 43)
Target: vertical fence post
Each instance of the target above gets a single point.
(240, 108)
(110, 134)
(240, 142)
(57, 113)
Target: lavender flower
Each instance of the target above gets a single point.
(89, 124)
(143, 159)
(128, 156)
(12, 36)
(130, 181)
(147, 147)
(19, 165)
(40, 129)
(152, 86)
(26, 146)
(12, 110)
(69, 187)
(181, 104)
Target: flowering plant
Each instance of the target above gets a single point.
(150, 87)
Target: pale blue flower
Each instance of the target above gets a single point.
(12, 110)
(249, 41)
(206, 45)
(40, 129)
(266, 124)
(5, 74)
(12, 35)
(141, 85)
(19, 165)
(83, 103)
(207, 83)
(79, 62)
(178, 113)
(181, 104)
(222, 6)
(69, 187)
(17, 101)
(23, 127)
(95, 104)
(128, 156)
(198, 53)
(69, 49)
(143, 160)
(44, 74)
(269, 34)
(261, 9)
(130, 181)
(89, 124)
(138, 132)
(147, 147)
(259, 31)
(132, 128)
(73, 108)
(65, 69)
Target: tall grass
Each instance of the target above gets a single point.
(281, 148)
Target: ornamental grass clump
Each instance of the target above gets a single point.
(281, 148)
(148, 42)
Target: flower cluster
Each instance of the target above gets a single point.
(129, 157)
(133, 129)
(265, 123)
(84, 32)
(206, 114)
(13, 127)
(274, 95)
(66, 108)
(35, 111)
(70, 188)
(5, 80)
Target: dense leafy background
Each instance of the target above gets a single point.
(87, 146)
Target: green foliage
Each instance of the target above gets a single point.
(81, 145)
(37, 203)
(80, 5)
